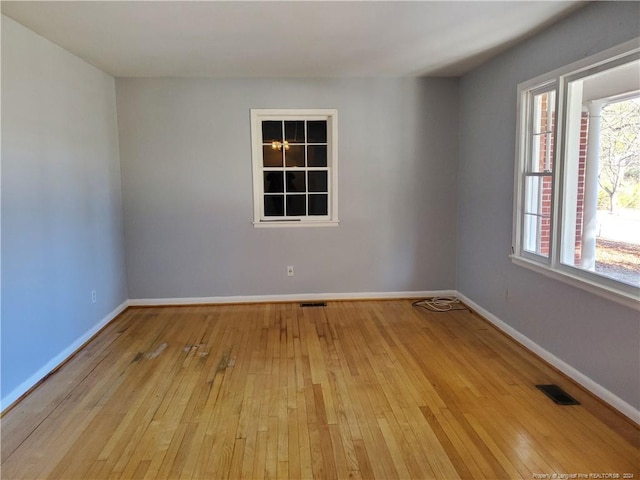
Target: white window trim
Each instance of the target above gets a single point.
(257, 116)
(552, 267)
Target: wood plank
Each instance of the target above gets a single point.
(361, 390)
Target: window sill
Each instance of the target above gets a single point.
(619, 296)
(288, 223)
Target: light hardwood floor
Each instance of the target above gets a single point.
(376, 389)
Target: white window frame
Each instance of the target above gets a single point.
(552, 266)
(260, 115)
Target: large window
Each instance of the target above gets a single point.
(295, 167)
(577, 187)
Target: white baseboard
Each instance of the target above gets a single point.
(56, 361)
(139, 302)
(598, 390)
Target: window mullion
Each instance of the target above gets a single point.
(557, 209)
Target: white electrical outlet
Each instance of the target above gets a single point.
(94, 297)
(290, 271)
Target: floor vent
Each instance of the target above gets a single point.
(558, 395)
(313, 304)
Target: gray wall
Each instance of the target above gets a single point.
(599, 338)
(61, 202)
(186, 167)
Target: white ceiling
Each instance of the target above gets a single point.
(286, 38)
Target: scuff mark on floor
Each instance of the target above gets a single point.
(156, 352)
(226, 361)
(137, 358)
(194, 349)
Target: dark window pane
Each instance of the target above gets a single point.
(318, 205)
(271, 157)
(273, 205)
(295, 182)
(271, 131)
(296, 205)
(294, 131)
(317, 155)
(294, 156)
(317, 131)
(273, 182)
(318, 181)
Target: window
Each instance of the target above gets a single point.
(538, 173)
(295, 167)
(577, 185)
